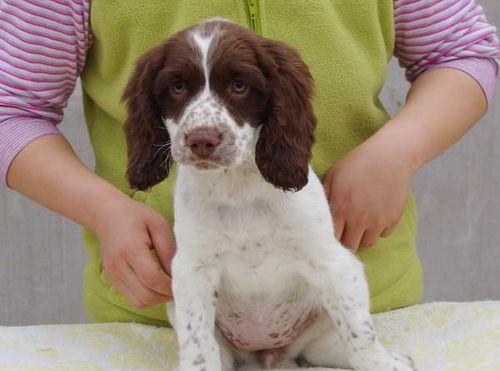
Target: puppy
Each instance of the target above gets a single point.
(259, 279)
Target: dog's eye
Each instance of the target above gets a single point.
(239, 86)
(178, 86)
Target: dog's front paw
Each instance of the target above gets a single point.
(199, 363)
(405, 359)
(390, 361)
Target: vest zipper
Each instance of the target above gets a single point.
(253, 13)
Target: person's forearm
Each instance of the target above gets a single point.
(49, 172)
(442, 105)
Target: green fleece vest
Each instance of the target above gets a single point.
(346, 43)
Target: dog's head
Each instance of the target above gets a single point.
(218, 95)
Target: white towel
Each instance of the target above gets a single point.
(439, 336)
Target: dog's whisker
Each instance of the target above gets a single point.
(166, 145)
(167, 158)
(161, 127)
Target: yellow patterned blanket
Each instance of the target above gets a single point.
(440, 336)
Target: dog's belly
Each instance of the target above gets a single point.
(263, 302)
(265, 324)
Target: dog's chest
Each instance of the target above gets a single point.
(258, 241)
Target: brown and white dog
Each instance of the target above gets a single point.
(259, 278)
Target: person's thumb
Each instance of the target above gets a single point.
(163, 240)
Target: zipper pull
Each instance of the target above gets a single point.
(253, 12)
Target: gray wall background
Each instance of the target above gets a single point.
(41, 254)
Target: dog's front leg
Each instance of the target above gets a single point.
(195, 293)
(340, 280)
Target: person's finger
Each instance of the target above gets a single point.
(128, 294)
(339, 227)
(163, 241)
(352, 236)
(146, 296)
(369, 238)
(114, 277)
(338, 219)
(149, 273)
(327, 185)
(388, 230)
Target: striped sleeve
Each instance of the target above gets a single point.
(43, 45)
(447, 33)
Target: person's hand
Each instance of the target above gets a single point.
(367, 191)
(127, 231)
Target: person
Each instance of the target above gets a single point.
(367, 159)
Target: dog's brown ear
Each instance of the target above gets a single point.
(148, 142)
(284, 147)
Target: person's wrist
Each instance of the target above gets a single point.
(104, 207)
(400, 146)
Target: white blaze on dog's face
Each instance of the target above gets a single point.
(218, 95)
(206, 135)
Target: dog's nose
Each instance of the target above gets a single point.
(203, 142)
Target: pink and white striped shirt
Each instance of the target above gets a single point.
(43, 45)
